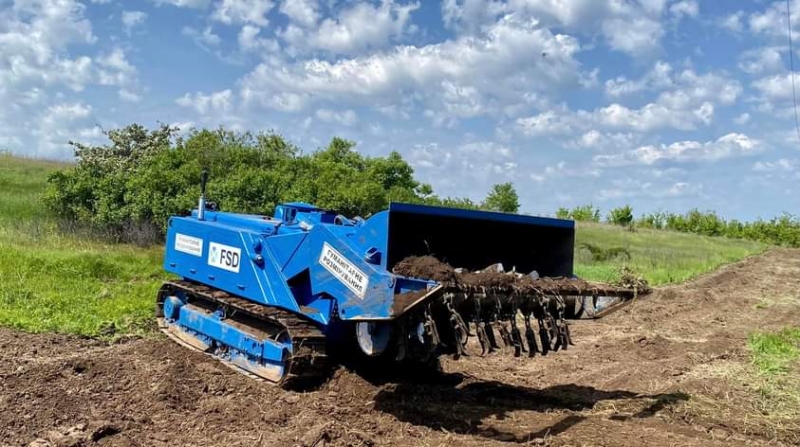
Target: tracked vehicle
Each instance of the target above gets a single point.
(277, 296)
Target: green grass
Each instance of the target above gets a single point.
(776, 377)
(50, 281)
(774, 352)
(64, 283)
(21, 184)
(662, 257)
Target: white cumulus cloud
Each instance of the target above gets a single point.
(129, 96)
(686, 100)
(782, 164)
(233, 12)
(730, 145)
(465, 76)
(761, 60)
(344, 117)
(464, 169)
(776, 87)
(59, 124)
(203, 104)
(303, 12)
(771, 21)
(632, 27)
(206, 38)
(115, 68)
(688, 8)
(357, 28)
(659, 77)
(732, 22)
(132, 18)
(196, 4)
(250, 39)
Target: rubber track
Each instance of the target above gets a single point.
(309, 361)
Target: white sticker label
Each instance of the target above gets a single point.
(344, 270)
(189, 244)
(224, 257)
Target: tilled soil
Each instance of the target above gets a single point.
(429, 267)
(645, 375)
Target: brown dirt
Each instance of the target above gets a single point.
(425, 267)
(651, 374)
(429, 267)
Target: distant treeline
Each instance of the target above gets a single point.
(141, 177)
(783, 230)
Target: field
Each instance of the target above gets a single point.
(69, 283)
(662, 257)
(708, 362)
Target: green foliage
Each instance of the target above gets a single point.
(705, 223)
(583, 213)
(783, 230)
(656, 220)
(147, 176)
(454, 202)
(115, 184)
(503, 197)
(773, 352)
(622, 216)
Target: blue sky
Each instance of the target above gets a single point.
(660, 104)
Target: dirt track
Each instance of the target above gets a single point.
(647, 375)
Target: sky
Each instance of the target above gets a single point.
(665, 105)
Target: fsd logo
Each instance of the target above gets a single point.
(224, 257)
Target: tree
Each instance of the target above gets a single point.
(621, 216)
(585, 213)
(503, 197)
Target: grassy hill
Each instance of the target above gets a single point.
(661, 256)
(50, 281)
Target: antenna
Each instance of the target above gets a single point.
(201, 205)
(791, 62)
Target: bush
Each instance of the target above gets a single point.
(142, 177)
(621, 216)
(656, 220)
(145, 177)
(585, 213)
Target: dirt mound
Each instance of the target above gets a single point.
(425, 267)
(643, 376)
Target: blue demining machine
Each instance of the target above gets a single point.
(277, 297)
